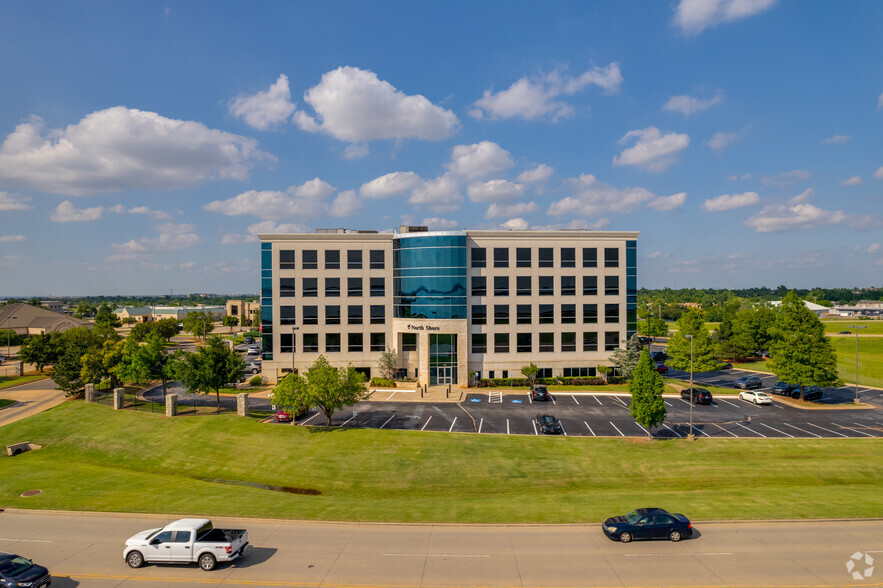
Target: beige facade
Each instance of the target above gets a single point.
(244, 310)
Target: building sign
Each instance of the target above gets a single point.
(423, 328)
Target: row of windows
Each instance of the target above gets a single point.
(310, 287)
(545, 257)
(355, 315)
(545, 313)
(355, 342)
(310, 259)
(571, 372)
(545, 285)
(524, 342)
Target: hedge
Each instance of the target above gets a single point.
(382, 383)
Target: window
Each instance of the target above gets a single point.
(332, 259)
(611, 313)
(568, 314)
(501, 257)
(409, 341)
(544, 373)
(575, 372)
(354, 315)
(354, 342)
(479, 343)
(286, 342)
(479, 286)
(286, 287)
(310, 259)
(611, 257)
(547, 285)
(568, 285)
(332, 314)
(164, 537)
(547, 342)
(568, 341)
(611, 285)
(378, 341)
(524, 342)
(546, 257)
(181, 537)
(478, 256)
(590, 313)
(547, 314)
(522, 257)
(501, 285)
(310, 287)
(479, 314)
(311, 342)
(332, 287)
(611, 340)
(378, 259)
(590, 257)
(568, 257)
(378, 286)
(501, 314)
(590, 285)
(311, 315)
(354, 259)
(332, 342)
(501, 342)
(378, 314)
(354, 287)
(287, 315)
(286, 259)
(523, 314)
(522, 285)
(590, 341)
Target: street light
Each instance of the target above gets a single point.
(8, 333)
(856, 327)
(690, 337)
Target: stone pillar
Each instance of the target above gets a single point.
(242, 404)
(423, 357)
(19, 369)
(119, 399)
(90, 392)
(171, 405)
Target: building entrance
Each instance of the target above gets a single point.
(442, 359)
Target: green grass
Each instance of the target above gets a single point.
(4, 402)
(240, 390)
(101, 460)
(9, 381)
(715, 390)
(870, 327)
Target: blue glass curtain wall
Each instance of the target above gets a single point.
(631, 288)
(429, 277)
(267, 301)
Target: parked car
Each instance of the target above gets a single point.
(539, 392)
(748, 383)
(755, 396)
(645, 341)
(844, 333)
(782, 388)
(253, 366)
(699, 395)
(648, 523)
(661, 368)
(722, 365)
(548, 424)
(658, 356)
(809, 393)
(283, 416)
(253, 350)
(186, 541)
(249, 340)
(16, 570)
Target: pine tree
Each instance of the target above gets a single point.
(647, 406)
(691, 323)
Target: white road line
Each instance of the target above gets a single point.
(699, 431)
(346, 421)
(804, 430)
(426, 423)
(534, 427)
(672, 430)
(387, 421)
(642, 428)
(529, 399)
(452, 424)
(667, 403)
(856, 430)
(309, 419)
(751, 430)
(507, 426)
(719, 399)
(724, 430)
(553, 399)
(824, 429)
(621, 402)
(596, 400)
(574, 399)
(589, 428)
(776, 430)
(480, 423)
(391, 395)
(562, 428)
(617, 428)
(26, 540)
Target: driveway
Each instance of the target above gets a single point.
(32, 398)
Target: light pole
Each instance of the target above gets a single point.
(690, 337)
(8, 333)
(856, 327)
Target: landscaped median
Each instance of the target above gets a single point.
(101, 460)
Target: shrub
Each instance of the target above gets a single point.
(486, 383)
(256, 380)
(382, 383)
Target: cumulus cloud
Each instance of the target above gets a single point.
(494, 191)
(347, 203)
(879, 173)
(12, 238)
(668, 202)
(794, 217)
(689, 105)
(265, 109)
(393, 184)
(515, 224)
(786, 178)
(836, 139)
(533, 98)
(720, 141)
(653, 151)
(304, 200)
(315, 188)
(441, 194)
(497, 210)
(9, 202)
(874, 248)
(263, 227)
(479, 160)
(66, 212)
(171, 237)
(694, 16)
(354, 105)
(593, 198)
(436, 223)
(355, 151)
(880, 101)
(538, 175)
(730, 201)
(853, 181)
(123, 148)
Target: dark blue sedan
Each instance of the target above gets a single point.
(648, 523)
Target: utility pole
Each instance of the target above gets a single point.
(856, 327)
(692, 392)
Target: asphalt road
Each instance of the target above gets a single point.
(86, 550)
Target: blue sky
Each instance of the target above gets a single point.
(143, 146)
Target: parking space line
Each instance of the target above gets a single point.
(724, 430)
(804, 430)
(426, 423)
(751, 430)
(672, 430)
(596, 400)
(857, 431)
(529, 398)
(719, 399)
(776, 430)
(391, 395)
(552, 396)
(563, 430)
(617, 428)
(346, 421)
(534, 427)
(480, 423)
(452, 425)
(574, 399)
(642, 428)
(667, 403)
(699, 431)
(387, 421)
(589, 428)
(309, 419)
(824, 429)
(621, 402)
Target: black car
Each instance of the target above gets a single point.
(538, 392)
(782, 388)
(16, 570)
(748, 383)
(809, 392)
(658, 356)
(700, 395)
(648, 523)
(548, 424)
(249, 340)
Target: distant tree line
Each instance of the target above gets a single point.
(87, 306)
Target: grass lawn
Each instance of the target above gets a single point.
(4, 402)
(8, 381)
(240, 390)
(715, 390)
(101, 460)
(870, 327)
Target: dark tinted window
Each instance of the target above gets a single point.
(590, 257)
(310, 259)
(501, 257)
(479, 343)
(501, 314)
(286, 259)
(332, 342)
(590, 313)
(479, 286)
(354, 287)
(611, 340)
(354, 342)
(611, 313)
(568, 257)
(332, 260)
(311, 315)
(310, 287)
(523, 314)
(522, 257)
(286, 287)
(547, 342)
(590, 285)
(478, 256)
(568, 341)
(378, 341)
(547, 314)
(524, 342)
(547, 285)
(611, 285)
(611, 257)
(181, 537)
(545, 257)
(378, 259)
(501, 285)
(568, 285)
(479, 314)
(354, 315)
(378, 286)
(409, 341)
(286, 342)
(378, 314)
(332, 287)
(332, 314)
(311, 342)
(568, 314)
(287, 315)
(501, 342)
(522, 285)
(590, 341)
(354, 259)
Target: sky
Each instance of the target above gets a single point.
(145, 145)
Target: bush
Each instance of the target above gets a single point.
(382, 383)
(256, 380)
(11, 336)
(486, 383)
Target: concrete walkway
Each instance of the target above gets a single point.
(31, 398)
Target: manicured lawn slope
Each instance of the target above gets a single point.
(95, 459)
(870, 359)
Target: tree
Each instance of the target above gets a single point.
(209, 369)
(730, 344)
(626, 359)
(40, 350)
(326, 387)
(73, 345)
(691, 323)
(647, 406)
(757, 324)
(100, 363)
(167, 327)
(198, 323)
(388, 363)
(140, 331)
(286, 397)
(35, 302)
(10, 337)
(142, 363)
(83, 310)
(653, 327)
(230, 321)
(105, 320)
(802, 355)
(530, 372)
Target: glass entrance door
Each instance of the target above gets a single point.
(442, 359)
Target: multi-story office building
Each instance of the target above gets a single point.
(449, 302)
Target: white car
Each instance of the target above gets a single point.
(755, 396)
(253, 350)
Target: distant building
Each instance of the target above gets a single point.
(141, 314)
(145, 314)
(25, 319)
(244, 310)
(818, 309)
(53, 305)
(860, 308)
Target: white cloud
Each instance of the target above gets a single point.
(479, 160)
(694, 16)
(171, 237)
(836, 139)
(653, 151)
(354, 105)
(187, 265)
(874, 248)
(530, 99)
(494, 191)
(393, 184)
(265, 109)
(267, 226)
(743, 177)
(853, 181)
(592, 198)
(12, 238)
(347, 203)
(879, 173)
(11, 202)
(435, 223)
(496, 210)
(315, 188)
(720, 141)
(65, 213)
(355, 151)
(120, 209)
(688, 105)
(441, 194)
(575, 224)
(515, 224)
(668, 202)
(802, 197)
(304, 200)
(730, 201)
(656, 255)
(880, 101)
(794, 217)
(537, 175)
(123, 148)
(786, 178)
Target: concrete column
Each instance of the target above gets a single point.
(90, 392)
(242, 404)
(19, 368)
(423, 358)
(119, 399)
(171, 405)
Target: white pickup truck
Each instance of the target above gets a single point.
(186, 541)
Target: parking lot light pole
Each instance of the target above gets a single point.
(856, 327)
(690, 435)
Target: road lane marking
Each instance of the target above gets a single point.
(804, 430)
(724, 430)
(389, 419)
(596, 400)
(452, 425)
(480, 423)
(553, 399)
(391, 395)
(824, 429)
(719, 399)
(857, 431)
(751, 430)
(642, 428)
(562, 428)
(426, 423)
(309, 419)
(534, 427)
(530, 399)
(776, 430)
(698, 430)
(672, 430)
(621, 402)
(589, 428)
(574, 399)
(667, 403)
(346, 421)
(617, 428)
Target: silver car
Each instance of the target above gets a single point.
(755, 396)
